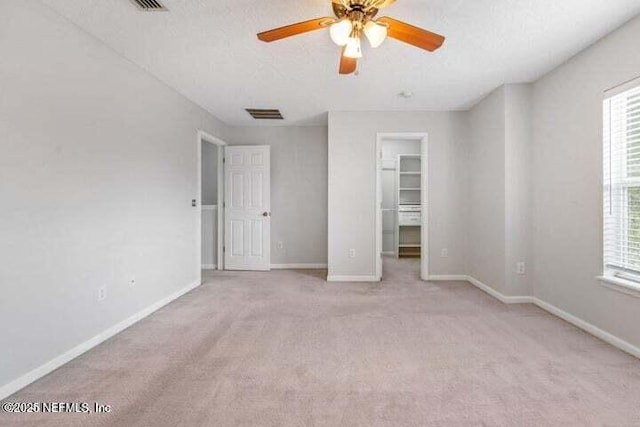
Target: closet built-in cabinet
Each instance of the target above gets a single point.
(409, 205)
(401, 199)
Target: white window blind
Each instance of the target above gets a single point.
(622, 183)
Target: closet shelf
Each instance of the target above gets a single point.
(409, 193)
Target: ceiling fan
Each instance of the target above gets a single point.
(353, 18)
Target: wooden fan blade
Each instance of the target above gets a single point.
(347, 65)
(294, 29)
(413, 35)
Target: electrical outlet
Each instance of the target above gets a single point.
(444, 253)
(102, 293)
(520, 268)
(352, 253)
(132, 281)
(280, 244)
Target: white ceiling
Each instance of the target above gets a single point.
(208, 51)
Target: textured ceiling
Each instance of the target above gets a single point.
(208, 51)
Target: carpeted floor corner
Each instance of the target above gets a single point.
(286, 348)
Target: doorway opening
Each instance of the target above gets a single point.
(401, 207)
(211, 206)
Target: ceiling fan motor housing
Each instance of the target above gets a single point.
(358, 18)
(356, 12)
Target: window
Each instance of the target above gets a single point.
(621, 178)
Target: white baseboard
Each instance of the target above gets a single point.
(588, 327)
(209, 266)
(576, 321)
(39, 372)
(498, 295)
(298, 266)
(353, 279)
(449, 278)
(486, 288)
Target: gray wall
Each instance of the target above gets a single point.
(352, 188)
(97, 172)
(392, 147)
(209, 173)
(486, 219)
(298, 189)
(518, 190)
(499, 223)
(209, 241)
(567, 189)
(551, 169)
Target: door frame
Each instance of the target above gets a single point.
(206, 138)
(423, 137)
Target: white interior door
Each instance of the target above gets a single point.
(247, 231)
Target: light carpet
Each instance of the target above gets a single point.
(286, 348)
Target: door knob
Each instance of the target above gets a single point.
(265, 213)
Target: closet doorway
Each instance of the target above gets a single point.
(402, 202)
(211, 211)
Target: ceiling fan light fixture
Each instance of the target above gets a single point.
(340, 31)
(353, 48)
(376, 33)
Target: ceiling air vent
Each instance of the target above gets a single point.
(149, 5)
(265, 114)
